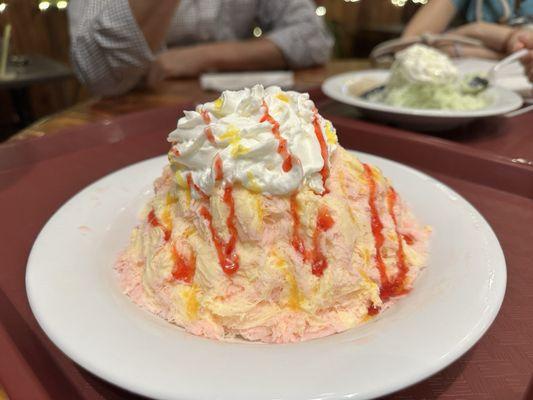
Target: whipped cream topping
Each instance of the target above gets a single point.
(423, 64)
(268, 140)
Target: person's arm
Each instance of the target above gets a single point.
(297, 31)
(296, 38)
(493, 36)
(459, 50)
(190, 61)
(434, 17)
(109, 50)
(153, 18)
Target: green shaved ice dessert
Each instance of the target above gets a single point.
(422, 77)
(430, 96)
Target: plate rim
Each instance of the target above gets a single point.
(329, 87)
(136, 387)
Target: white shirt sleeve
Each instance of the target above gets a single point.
(299, 33)
(108, 50)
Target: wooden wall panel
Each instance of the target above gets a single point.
(37, 32)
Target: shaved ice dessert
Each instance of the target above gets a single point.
(262, 227)
(425, 78)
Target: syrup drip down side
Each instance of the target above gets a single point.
(263, 227)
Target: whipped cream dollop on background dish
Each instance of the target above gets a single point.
(423, 64)
(422, 77)
(269, 140)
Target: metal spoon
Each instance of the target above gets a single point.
(372, 92)
(477, 84)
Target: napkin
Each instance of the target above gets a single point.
(240, 80)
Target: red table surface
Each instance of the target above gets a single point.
(39, 175)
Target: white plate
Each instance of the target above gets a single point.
(501, 101)
(74, 295)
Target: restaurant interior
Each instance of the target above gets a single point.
(357, 28)
(286, 199)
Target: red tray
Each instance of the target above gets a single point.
(37, 176)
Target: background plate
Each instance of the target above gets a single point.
(74, 295)
(501, 101)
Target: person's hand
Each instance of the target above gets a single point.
(523, 39)
(179, 63)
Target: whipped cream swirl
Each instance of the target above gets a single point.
(423, 64)
(268, 140)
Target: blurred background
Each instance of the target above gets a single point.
(39, 45)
